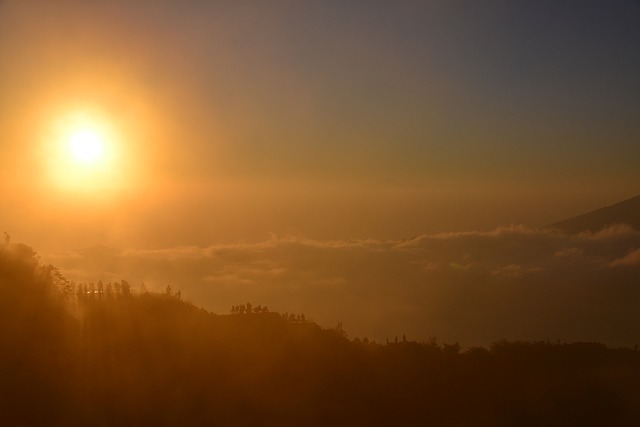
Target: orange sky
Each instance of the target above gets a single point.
(234, 123)
(231, 122)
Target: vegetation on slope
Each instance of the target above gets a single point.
(105, 355)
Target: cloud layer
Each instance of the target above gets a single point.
(472, 287)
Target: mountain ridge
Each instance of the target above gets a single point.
(623, 212)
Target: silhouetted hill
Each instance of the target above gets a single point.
(625, 212)
(104, 355)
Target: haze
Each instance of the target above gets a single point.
(361, 162)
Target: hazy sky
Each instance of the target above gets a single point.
(226, 121)
(275, 116)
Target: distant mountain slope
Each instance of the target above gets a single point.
(625, 212)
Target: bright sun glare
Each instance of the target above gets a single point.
(84, 152)
(86, 145)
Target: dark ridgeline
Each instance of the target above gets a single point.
(624, 212)
(104, 355)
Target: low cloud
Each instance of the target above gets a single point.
(631, 259)
(472, 287)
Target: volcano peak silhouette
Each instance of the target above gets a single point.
(624, 212)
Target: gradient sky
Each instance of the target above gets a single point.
(326, 118)
(327, 122)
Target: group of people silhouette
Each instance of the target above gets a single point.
(248, 309)
(294, 318)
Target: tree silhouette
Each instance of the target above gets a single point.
(126, 288)
(151, 360)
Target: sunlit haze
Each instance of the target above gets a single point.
(387, 164)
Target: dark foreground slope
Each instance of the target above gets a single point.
(106, 356)
(625, 212)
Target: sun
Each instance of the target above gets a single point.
(84, 152)
(86, 145)
(86, 142)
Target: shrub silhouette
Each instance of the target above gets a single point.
(104, 355)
